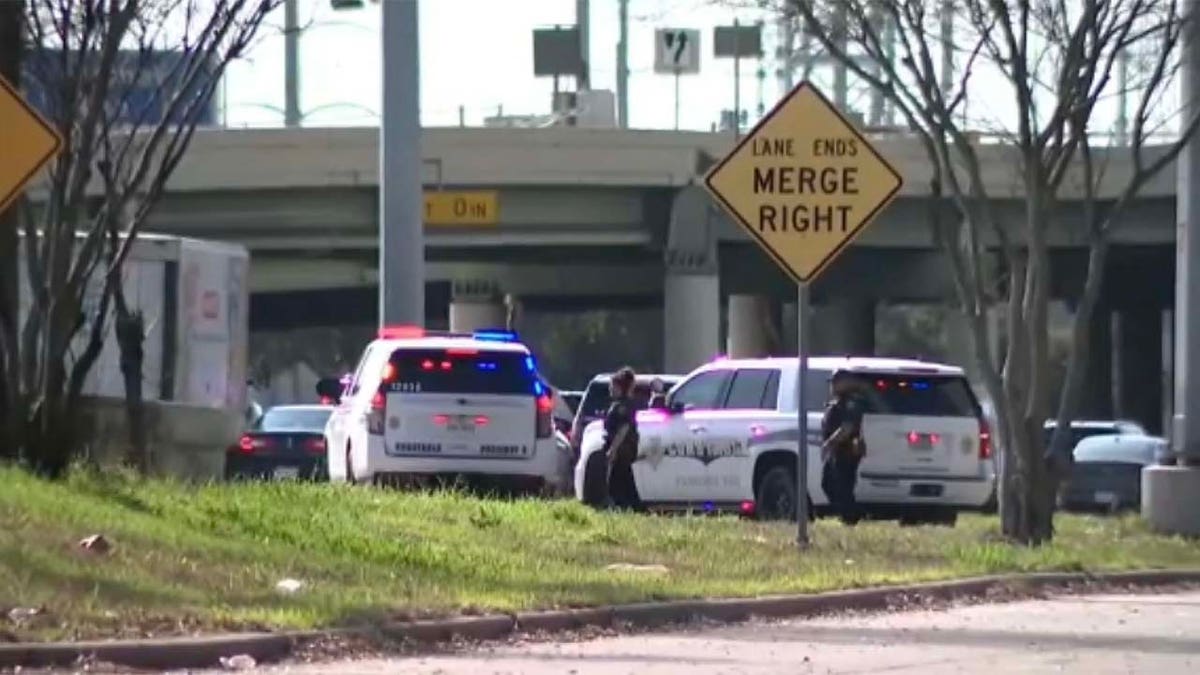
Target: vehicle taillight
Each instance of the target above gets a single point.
(376, 414)
(985, 440)
(315, 446)
(545, 421)
(246, 444)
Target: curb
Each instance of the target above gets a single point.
(204, 652)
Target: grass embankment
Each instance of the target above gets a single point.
(209, 558)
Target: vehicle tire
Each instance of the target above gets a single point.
(775, 497)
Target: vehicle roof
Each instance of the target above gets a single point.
(640, 377)
(1094, 424)
(452, 342)
(300, 407)
(859, 364)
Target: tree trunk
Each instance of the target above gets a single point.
(130, 330)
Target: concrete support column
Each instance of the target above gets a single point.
(1097, 399)
(691, 320)
(844, 327)
(1137, 366)
(789, 329)
(475, 305)
(750, 327)
(1171, 494)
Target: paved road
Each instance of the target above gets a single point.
(1158, 634)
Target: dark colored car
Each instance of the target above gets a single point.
(596, 400)
(288, 441)
(1107, 475)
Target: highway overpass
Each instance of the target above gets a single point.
(615, 218)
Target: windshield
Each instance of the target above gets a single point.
(295, 419)
(462, 371)
(937, 396)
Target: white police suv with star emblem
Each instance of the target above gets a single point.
(727, 441)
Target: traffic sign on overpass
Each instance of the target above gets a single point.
(803, 183)
(29, 142)
(456, 207)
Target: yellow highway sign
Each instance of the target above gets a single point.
(479, 207)
(804, 182)
(27, 143)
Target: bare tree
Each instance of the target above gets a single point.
(1057, 61)
(126, 82)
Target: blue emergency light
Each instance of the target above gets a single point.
(495, 335)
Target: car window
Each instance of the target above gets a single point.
(362, 363)
(919, 396)
(597, 399)
(748, 391)
(294, 419)
(702, 391)
(452, 371)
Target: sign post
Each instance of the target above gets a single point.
(803, 184)
(29, 142)
(677, 52)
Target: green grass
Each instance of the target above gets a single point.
(208, 558)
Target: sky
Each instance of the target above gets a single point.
(478, 55)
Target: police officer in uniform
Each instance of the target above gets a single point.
(621, 441)
(843, 447)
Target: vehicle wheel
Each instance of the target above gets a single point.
(776, 495)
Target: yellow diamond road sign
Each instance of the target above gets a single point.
(804, 182)
(27, 142)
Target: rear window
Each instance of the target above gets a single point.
(293, 419)
(462, 371)
(920, 396)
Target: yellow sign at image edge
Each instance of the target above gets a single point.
(27, 143)
(804, 182)
(462, 208)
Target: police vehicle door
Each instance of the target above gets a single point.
(341, 421)
(673, 444)
(750, 402)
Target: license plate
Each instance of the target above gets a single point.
(287, 472)
(1107, 498)
(460, 423)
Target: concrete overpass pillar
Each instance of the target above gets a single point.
(476, 304)
(789, 329)
(750, 327)
(1097, 400)
(1137, 367)
(844, 326)
(691, 320)
(1171, 494)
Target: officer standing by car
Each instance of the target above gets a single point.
(621, 440)
(843, 447)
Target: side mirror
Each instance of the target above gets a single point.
(329, 389)
(677, 408)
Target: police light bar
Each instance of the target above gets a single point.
(401, 332)
(495, 335)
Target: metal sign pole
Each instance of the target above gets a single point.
(677, 99)
(802, 347)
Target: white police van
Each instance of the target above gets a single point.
(727, 440)
(422, 405)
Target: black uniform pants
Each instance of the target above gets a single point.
(838, 478)
(622, 489)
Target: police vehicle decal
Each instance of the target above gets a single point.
(705, 452)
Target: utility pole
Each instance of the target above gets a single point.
(401, 233)
(583, 22)
(291, 63)
(623, 65)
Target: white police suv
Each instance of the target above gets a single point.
(727, 440)
(424, 405)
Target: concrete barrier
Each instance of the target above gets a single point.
(185, 441)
